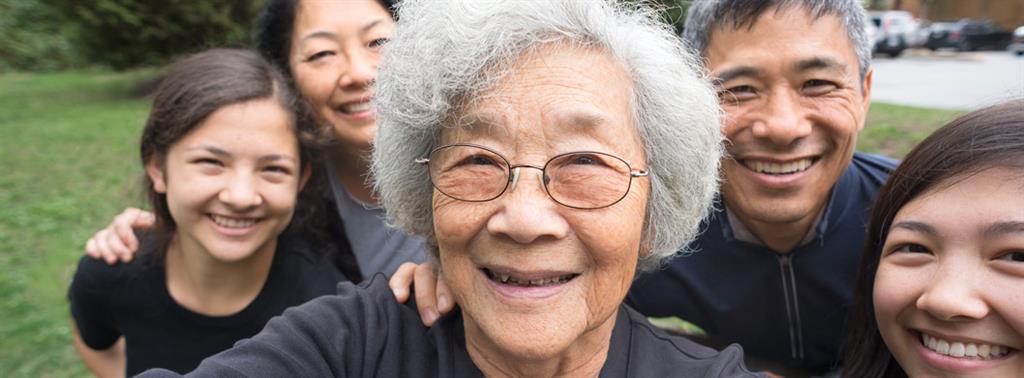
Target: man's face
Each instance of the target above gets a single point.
(794, 104)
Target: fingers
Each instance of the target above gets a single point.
(425, 279)
(401, 280)
(117, 242)
(124, 225)
(445, 304)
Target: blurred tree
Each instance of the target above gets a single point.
(130, 33)
(31, 38)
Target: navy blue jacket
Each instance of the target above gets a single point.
(788, 309)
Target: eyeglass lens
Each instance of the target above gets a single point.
(584, 180)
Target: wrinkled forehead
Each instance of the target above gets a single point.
(550, 90)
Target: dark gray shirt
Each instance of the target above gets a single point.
(377, 247)
(363, 332)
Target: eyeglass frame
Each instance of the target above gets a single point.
(513, 177)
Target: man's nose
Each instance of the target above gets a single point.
(783, 120)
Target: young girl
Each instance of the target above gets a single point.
(941, 286)
(225, 159)
(330, 51)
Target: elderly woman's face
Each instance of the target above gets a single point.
(535, 278)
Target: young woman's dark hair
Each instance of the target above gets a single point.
(197, 86)
(273, 32)
(988, 138)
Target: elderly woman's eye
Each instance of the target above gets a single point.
(585, 160)
(477, 160)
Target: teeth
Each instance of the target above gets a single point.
(964, 350)
(233, 223)
(357, 107)
(504, 278)
(778, 168)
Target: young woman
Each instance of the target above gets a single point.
(329, 50)
(941, 286)
(225, 157)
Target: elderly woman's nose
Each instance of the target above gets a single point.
(240, 192)
(527, 213)
(955, 292)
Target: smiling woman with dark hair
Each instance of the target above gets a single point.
(547, 151)
(941, 284)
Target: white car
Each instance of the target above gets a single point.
(1017, 43)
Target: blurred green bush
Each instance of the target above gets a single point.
(45, 35)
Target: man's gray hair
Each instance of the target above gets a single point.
(444, 54)
(705, 15)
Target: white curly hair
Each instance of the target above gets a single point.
(444, 53)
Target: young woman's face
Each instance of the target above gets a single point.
(949, 290)
(231, 183)
(335, 48)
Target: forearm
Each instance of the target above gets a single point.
(104, 363)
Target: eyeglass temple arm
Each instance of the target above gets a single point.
(421, 160)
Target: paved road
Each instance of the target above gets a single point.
(948, 80)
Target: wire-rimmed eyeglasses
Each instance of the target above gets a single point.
(580, 180)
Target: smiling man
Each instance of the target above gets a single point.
(775, 266)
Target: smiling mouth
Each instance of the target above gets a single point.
(509, 279)
(356, 107)
(228, 222)
(977, 351)
(777, 168)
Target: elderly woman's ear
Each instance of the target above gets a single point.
(433, 298)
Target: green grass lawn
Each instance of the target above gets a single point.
(70, 162)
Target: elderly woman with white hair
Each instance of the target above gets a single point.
(547, 151)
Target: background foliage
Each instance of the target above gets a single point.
(46, 35)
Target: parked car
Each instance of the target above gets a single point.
(894, 31)
(1017, 45)
(969, 35)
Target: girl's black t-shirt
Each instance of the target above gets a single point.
(131, 300)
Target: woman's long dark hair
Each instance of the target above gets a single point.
(197, 86)
(988, 138)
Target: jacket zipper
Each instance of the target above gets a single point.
(796, 336)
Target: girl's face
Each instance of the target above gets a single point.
(949, 290)
(335, 48)
(231, 182)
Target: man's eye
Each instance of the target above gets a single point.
(911, 248)
(736, 94)
(817, 87)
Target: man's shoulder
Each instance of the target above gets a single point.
(866, 162)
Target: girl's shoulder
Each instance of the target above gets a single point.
(96, 273)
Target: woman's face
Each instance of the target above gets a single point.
(335, 48)
(231, 182)
(949, 290)
(580, 262)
